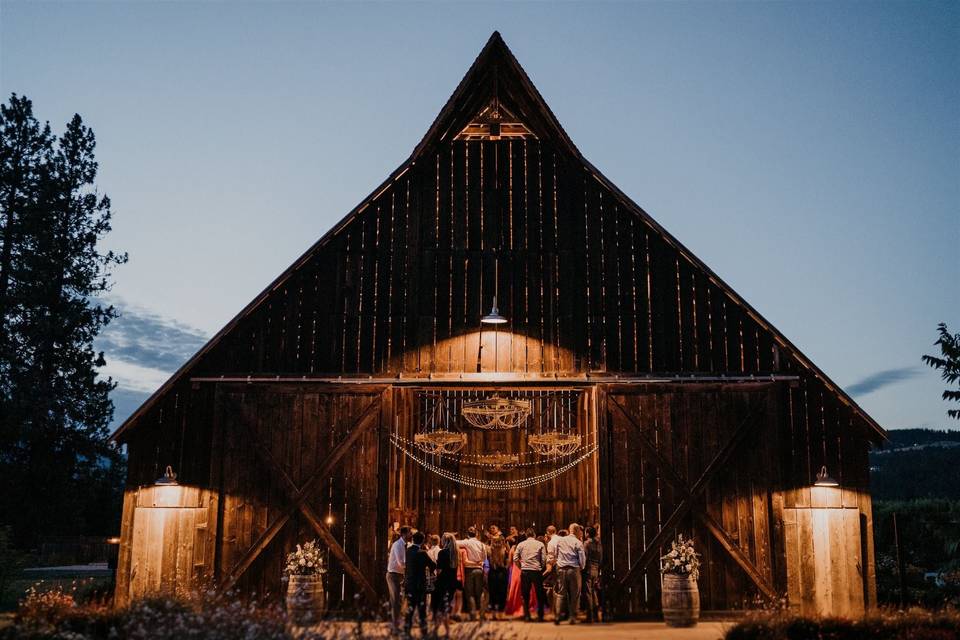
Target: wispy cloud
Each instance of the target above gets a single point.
(149, 340)
(142, 350)
(882, 379)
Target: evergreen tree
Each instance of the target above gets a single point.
(56, 409)
(26, 148)
(949, 364)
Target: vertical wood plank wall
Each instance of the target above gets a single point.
(589, 288)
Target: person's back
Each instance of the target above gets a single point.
(570, 560)
(591, 574)
(416, 570)
(550, 540)
(531, 554)
(475, 553)
(594, 552)
(569, 552)
(418, 562)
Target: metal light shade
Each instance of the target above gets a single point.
(169, 478)
(824, 479)
(494, 316)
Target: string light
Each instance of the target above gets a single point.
(499, 485)
(477, 459)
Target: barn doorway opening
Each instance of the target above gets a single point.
(509, 456)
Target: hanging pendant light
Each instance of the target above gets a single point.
(494, 316)
(824, 479)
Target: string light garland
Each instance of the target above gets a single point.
(526, 458)
(498, 485)
(498, 461)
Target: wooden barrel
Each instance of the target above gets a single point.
(681, 600)
(306, 599)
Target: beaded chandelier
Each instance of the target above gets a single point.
(496, 412)
(440, 442)
(554, 443)
(544, 421)
(488, 483)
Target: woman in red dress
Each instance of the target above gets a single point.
(514, 607)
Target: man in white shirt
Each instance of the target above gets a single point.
(396, 564)
(571, 558)
(531, 557)
(552, 538)
(473, 578)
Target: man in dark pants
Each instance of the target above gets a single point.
(571, 559)
(474, 582)
(531, 557)
(395, 573)
(591, 574)
(418, 563)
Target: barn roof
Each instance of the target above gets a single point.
(497, 75)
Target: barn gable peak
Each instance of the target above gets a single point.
(495, 99)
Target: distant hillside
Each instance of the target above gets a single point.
(917, 463)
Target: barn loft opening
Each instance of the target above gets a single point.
(495, 122)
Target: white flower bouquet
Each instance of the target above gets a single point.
(682, 559)
(307, 560)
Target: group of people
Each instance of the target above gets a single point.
(516, 571)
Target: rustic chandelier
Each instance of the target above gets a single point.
(496, 412)
(524, 458)
(440, 442)
(486, 483)
(554, 443)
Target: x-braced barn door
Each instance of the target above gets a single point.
(297, 463)
(691, 459)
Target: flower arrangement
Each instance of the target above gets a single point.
(307, 560)
(682, 558)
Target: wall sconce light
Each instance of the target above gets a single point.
(169, 478)
(329, 520)
(824, 479)
(168, 492)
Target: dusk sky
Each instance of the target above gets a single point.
(808, 152)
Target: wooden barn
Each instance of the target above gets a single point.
(498, 335)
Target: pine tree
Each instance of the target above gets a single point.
(57, 408)
(26, 148)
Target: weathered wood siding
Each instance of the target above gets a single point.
(594, 290)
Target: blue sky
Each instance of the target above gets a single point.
(808, 152)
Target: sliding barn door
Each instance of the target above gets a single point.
(692, 459)
(297, 463)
